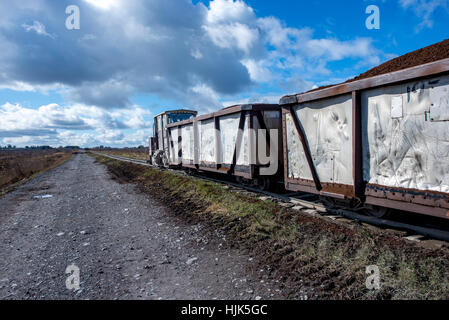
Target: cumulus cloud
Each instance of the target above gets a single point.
(135, 46)
(225, 11)
(86, 125)
(194, 55)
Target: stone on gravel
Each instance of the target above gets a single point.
(191, 260)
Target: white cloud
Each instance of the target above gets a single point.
(189, 54)
(86, 125)
(283, 37)
(37, 27)
(196, 53)
(232, 24)
(104, 4)
(297, 53)
(225, 11)
(258, 71)
(149, 47)
(424, 9)
(255, 98)
(333, 49)
(209, 100)
(27, 87)
(233, 35)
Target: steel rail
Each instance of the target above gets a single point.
(320, 210)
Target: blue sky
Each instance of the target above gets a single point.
(103, 83)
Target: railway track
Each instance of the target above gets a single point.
(430, 237)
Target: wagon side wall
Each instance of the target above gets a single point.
(386, 146)
(208, 142)
(188, 143)
(406, 144)
(327, 126)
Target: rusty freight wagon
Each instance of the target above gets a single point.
(222, 142)
(379, 140)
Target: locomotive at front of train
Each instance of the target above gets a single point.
(159, 143)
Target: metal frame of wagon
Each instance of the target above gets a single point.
(245, 171)
(419, 201)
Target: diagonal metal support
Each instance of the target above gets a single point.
(306, 148)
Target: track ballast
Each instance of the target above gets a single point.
(426, 236)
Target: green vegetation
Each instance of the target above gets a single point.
(140, 153)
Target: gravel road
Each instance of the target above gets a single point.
(125, 245)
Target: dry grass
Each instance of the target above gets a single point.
(19, 165)
(133, 153)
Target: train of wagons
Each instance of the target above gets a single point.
(380, 143)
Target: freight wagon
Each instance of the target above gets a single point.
(227, 142)
(382, 141)
(377, 142)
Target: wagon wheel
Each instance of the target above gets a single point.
(378, 212)
(160, 159)
(263, 183)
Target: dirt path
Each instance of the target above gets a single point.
(125, 245)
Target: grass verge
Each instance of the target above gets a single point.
(132, 153)
(325, 259)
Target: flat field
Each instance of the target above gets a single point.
(133, 153)
(20, 164)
